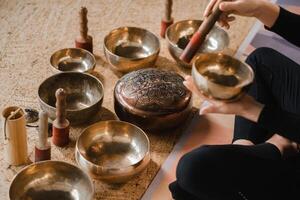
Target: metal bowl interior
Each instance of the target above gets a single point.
(51, 180)
(179, 34)
(83, 92)
(73, 59)
(131, 43)
(221, 76)
(131, 48)
(113, 145)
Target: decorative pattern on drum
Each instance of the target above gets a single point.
(154, 90)
(152, 99)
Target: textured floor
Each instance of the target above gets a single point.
(32, 30)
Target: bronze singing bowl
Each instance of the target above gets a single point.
(131, 48)
(221, 77)
(84, 95)
(51, 180)
(179, 34)
(73, 59)
(152, 99)
(113, 151)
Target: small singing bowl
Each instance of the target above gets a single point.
(179, 34)
(113, 151)
(221, 77)
(130, 48)
(73, 59)
(51, 180)
(84, 95)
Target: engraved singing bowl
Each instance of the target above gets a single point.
(73, 59)
(51, 180)
(84, 95)
(152, 99)
(179, 34)
(113, 151)
(221, 77)
(131, 48)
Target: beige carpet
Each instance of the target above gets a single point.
(32, 30)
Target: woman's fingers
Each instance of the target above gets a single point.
(209, 8)
(206, 107)
(229, 6)
(189, 83)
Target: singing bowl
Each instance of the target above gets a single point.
(113, 151)
(221, 77)
(131, 48)
(179, 34)
(51, 180)
(84, 95)
(73, 59)
(152, 99)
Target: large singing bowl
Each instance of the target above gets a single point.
(51, 180)
(221, 76)
(131, 48)
(153, 99)
(113, 151)
(84, 95)
(179, 34)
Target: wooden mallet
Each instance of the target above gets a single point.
(167, 20)
(200, 35)
(84, 41)
(61, 126)
(43, 147)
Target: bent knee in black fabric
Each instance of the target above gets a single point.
(179, 194)
(244, 128)
(277, 78)
(248, 130)
(276, 83)
(221, 171)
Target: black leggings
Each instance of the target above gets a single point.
(229, 172)
(235, 172)
(277, 83)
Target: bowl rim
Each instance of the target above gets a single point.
(131, 59)
(55, 67)
(52, 161)
(71, 72)
(240, 85)
(110, 168)
(182, 21)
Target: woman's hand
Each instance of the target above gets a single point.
(246, 107)
(264, 10)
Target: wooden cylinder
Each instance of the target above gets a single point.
(43, 148)
(163, 27)
(42, 154)
(60, 136)
(199, 37)
(167, 20)
(84, 43)
(15, 135)
(61, 126)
